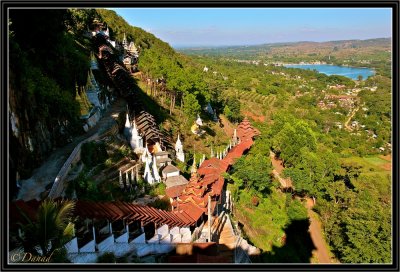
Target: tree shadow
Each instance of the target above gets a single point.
(209, 131)
(138, 100)
(297, 248)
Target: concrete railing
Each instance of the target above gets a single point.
(89, 247)
(106, 244)
(58, 185)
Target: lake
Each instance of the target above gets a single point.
(350, 72)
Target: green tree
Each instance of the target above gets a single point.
(51, 229)
(291, 138)
(191, 106)
(253, 171)
(232, 109)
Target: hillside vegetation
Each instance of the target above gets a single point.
(373, 53)
(48, 66)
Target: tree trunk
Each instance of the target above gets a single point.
(181, 105)
(173, 105)
(170, 104)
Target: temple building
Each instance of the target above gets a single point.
(196, 127)
(130, 55)
(246, 131)
(209, 109)
(174, 181)
(132, 50)
(147, 126)
(125, 42)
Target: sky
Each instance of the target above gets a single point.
(191, 27)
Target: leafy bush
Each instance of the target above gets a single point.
(163, 204)
(157, 189)
(296, 211)
(107, 257)
(93, 153)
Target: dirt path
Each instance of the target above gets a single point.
(227, 125)
(255, 117)
(44, 175)
(278, 168)
(321, 253)
(346, 124)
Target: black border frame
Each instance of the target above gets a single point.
(393, 4)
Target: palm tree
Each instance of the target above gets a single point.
(51, 229)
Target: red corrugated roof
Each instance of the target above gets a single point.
(184, 216)
(109, 210)
(191, 209)
(217, 186)
(175, 191)
(199, 201)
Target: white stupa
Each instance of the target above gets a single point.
(147, 175)
(154, 168)
(146, 156)
(179, 150)
(199, 121)
(127, 129)
(136, 140)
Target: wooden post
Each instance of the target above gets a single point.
(209, 218)
(217, 209)
(110, 230)
(156, 231)
(94, 234)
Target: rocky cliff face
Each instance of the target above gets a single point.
(31, 138)
(48, 60)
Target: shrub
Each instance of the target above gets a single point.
(297, 211)
(93, 153)
(107, 257)
(163, 204)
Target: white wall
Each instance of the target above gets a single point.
(107, 243)
(123, 238)
(72, 246)
(89, 247)
(139, 240)
(173, 174)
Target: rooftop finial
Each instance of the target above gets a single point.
(194, 167)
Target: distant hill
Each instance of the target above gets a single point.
(301, 46)
(374, 53)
